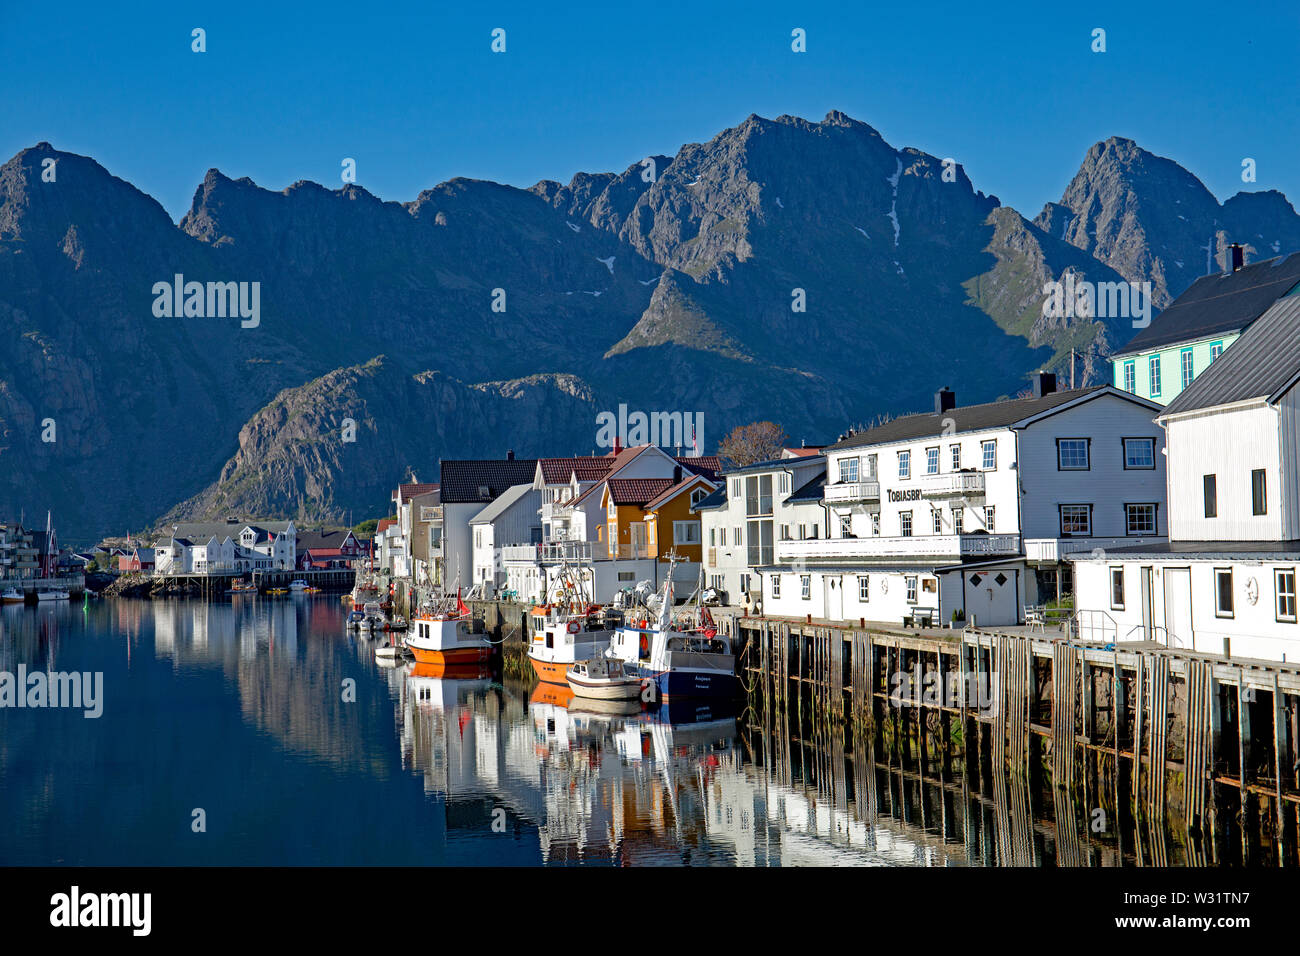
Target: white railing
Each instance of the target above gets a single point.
(1051, 550)
(554, 552)
(852, 491)
(921, 546)
(955, 484)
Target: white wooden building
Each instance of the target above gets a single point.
(753, 508)
(1226, 580)
(971, 509)
(513, 518)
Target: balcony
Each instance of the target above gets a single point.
(928, 546)
(959, 484)
(847, 491)
(1054, 550)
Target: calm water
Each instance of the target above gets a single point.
(239, 710)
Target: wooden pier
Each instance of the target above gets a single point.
(1134, 729)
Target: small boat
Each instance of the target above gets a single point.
(442, 636)
(298, 584)
(312, 590)
(602, 678)
(52, 595)
(11, 596)
(396, 624)
(241, 587)
(277, 591)
(390, 651)
(355, 618)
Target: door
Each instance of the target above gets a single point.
(1178, 607)
(638, 540)
(834, 598)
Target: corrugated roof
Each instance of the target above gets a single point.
(507, 498)
(637, 491)
(966, 418)
(1218, 303)
(1260, 364)
(464, 480)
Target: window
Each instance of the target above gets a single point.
(735, 487)
(1216, 349)
(956, 456)
(713, 537)
(1153, 375)
(784, 487)
(735, 537)
(938, 521)
(1211, 496)
(1117, 589)
(871, 466)
(1139, 453)
(1258, 497)
(1072, 454)
(805, 586)
(1140, 519)
(846, 526)
(875, 523)
(989, 452)
(744, 584)
(988, 518)
(758, 495)
(1223, 592)
(932, 461)
(1130, 377)
(864, 589)
(904, 464)
(911, 588)
(760, 550)
(685, 532)
(848, 469)
(1284, 583)
(785, 532)
(1076, 520)
(776, 585)
(1188, 374)
(905, 523)
(958, 514)
(697, 496)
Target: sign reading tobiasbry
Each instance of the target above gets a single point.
(684, 430)
(210, 300)
(39, 689)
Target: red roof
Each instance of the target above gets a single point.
(806, 451)
(668, 494)
(408, 491)
(558, 470)
(637, 491)
(385, 524)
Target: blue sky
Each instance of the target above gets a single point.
(414, 94)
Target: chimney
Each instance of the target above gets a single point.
(1044, 384)
(944, 400)
(677, 475)
(1238, 255)
(618, 446)
(510, 455)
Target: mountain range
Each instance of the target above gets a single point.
(805, 272)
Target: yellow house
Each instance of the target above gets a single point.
(651, 517)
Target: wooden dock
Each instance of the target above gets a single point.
(1166, 733)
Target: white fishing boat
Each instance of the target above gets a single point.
(602, 678)
(441, 635)
(52, 595)
(693, 662)
(11, 596)
(298, 584)
(571, 628)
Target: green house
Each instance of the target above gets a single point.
(1181, 342)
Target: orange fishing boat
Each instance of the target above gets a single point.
(570, 629)
(443, 637)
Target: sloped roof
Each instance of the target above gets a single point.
(966, 418)
(384, 524)
(637, 491)
(1263, 363)
(1217, 303)
(321, 539)
(673, 490)
(811, 490)
(497, 508)
(717, 498)
(205, 531)
(408, 491)
(557, 471)
(706, 465)
(463, 478)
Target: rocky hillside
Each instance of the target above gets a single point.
(807, 272)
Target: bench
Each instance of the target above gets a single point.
(920, 617)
